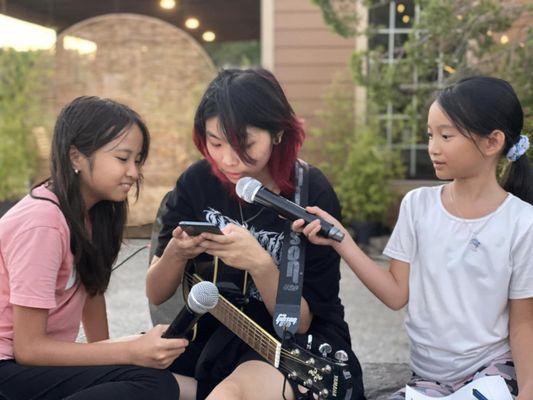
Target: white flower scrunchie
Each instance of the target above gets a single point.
(518, 149)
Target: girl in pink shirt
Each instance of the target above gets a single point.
(57, 246)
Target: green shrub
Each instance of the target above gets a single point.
(329, 141)
(354, 157)
(18, 109)
(364, 187)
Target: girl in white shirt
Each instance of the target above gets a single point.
(462, 253)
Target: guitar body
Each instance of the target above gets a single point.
(325, 378)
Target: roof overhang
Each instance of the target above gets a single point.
(230, 20)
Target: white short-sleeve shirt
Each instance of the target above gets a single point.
(458, 311)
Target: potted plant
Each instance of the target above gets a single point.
(364, 185)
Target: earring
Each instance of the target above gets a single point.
(76, 171)
(277, 139)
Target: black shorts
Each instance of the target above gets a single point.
(106, 382)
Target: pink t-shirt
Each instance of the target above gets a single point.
(36, 269)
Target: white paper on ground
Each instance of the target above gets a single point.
(492, 387)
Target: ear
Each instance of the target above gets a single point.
(277, 138)
(494, 143)
(76, 158)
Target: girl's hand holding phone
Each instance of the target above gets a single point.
(237, 248)
(182, 246)
(153, 351)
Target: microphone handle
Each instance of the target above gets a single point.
(182, 324)
(290, 210)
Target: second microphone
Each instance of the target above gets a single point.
(251, 191)
(202, 298)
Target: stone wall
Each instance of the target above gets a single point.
(150, 65)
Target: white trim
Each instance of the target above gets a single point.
(361, 44)
(394, 30)
(267, 34)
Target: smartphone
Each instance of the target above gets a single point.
(194, 228)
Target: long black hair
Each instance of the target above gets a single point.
(479, 105)
(87, 124)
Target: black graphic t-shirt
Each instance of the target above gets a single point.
(200, 196)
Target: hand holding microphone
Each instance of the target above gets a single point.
(251, 191)
(312, 230)
(202, 298)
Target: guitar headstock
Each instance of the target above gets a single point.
(325, 377)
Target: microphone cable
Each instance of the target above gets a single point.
(146, 246)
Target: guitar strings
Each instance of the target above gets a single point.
(256, 333)
(252, 331)
(256, 336)
(267, 344)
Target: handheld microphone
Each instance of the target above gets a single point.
(202, 298)
(251, 191)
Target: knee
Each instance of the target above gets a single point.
(227, 390)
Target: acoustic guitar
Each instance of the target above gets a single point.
(324, 377)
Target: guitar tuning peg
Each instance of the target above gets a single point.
(341, 356)
(324, 349)
(309, 342)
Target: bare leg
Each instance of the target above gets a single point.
(187, 387)
(252, 380)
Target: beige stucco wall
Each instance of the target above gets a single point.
(303, 52)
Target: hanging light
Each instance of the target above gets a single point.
(192, 23)
(167, 4)
(209, 36)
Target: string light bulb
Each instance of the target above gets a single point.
(400, 7)
(209, 36)
(504, 39)
(167, 4)
(192, 23)
(449, 69)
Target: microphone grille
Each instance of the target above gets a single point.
(203, 297)
(246, 188)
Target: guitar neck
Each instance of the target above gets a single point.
(323, 377)
(246, 329)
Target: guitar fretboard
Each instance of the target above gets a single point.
(245, 328)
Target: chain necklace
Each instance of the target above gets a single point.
(245, 221)
(473, 237)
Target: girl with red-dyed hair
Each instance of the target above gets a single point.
(244, 126)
